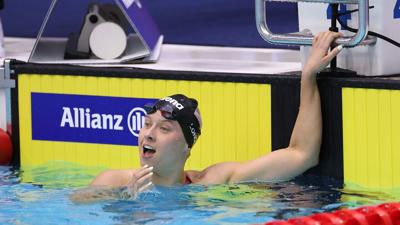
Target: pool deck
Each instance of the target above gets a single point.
(195, 58)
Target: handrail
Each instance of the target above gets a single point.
(360, 38)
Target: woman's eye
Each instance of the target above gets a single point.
(165, 129)
(147, 124)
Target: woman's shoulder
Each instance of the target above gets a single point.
(219, 173)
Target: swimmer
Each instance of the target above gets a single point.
(173, 125)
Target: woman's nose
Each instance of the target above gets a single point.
(150, 134)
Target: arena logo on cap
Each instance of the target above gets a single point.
(193, 131)
(174, 102)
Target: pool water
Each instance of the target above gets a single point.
(41, 196)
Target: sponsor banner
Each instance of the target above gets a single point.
(87, 119)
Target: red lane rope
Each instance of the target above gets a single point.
(384, 214)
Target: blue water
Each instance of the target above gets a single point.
(41, 196)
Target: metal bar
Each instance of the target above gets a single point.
(43, 26)
(334, 28)
(306, 38)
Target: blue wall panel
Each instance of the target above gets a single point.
(206, 22)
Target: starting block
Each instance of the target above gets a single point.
(365, 54)
(113, 31)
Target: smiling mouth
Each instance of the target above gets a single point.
(148, 151)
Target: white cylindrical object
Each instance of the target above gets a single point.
(376, 60)
(108, 40)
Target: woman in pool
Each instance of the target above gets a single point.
(173, 125)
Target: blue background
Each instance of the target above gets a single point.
(205, 22)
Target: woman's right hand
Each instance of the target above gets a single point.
(320, 55)
(141, 180)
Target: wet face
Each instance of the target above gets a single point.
(161, 143)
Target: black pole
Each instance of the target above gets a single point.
(334, 28)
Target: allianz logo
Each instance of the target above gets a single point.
(84, 118)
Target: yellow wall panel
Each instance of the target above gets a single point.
(229, 115)
(395, 140)
(265, 132)
(385, 115)
(242, 122)
(361, 136)
(372, 150)
(371, 134)
(236, 119)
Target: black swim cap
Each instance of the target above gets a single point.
(182, 109)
